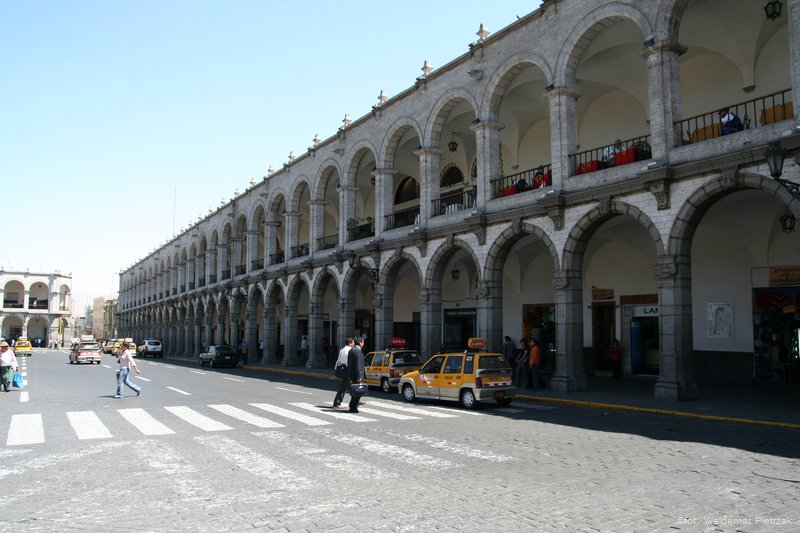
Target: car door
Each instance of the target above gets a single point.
(429, 377)
(372, 362)
(452, 377)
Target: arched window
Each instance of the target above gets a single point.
(407, 190)
(451, 175)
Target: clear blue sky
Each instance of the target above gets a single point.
(121, 121)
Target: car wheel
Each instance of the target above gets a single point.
(504, 402)
(408, 393)
(385, 387)
(210, 363)
(467, 399)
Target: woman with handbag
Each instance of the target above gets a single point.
(8, 365)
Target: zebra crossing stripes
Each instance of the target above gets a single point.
(144, 422)
(196, 419)
(25, 429)
(87, 425)
(244, 416)
(335, 414)
(407, 409)
(286, 413)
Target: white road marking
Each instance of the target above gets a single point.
(24, 374)
(144, 422)
(323, 457)
(453, 448)
(180, 391)
(87, 425)
(198, 372)
(390, 451)
(460, 411)
(25, 429)
(353, 417)
(167, 366)
(48, 461)
(23, 396)
(280, 478)
(143, 379)
(293, 390)
(298, 417)
(196, 419)
(415, 410)
(396, 416)
(233, 379)
(244, 416)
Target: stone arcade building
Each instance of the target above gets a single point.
(36, 305)
(568, 177)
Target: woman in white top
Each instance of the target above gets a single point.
(8, 365)
(125, 363)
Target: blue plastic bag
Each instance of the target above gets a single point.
(17, 381)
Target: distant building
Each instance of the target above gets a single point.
(104, 317)
(35, 305)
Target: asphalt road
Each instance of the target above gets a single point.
(235, 450)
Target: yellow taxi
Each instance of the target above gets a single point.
(118, 349)
(23, 347)
(108, 347)
(468, 377)
(385, 368)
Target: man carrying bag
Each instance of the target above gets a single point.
(355, 368)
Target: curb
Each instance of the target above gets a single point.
(573, 403)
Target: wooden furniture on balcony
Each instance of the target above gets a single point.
(777, 113)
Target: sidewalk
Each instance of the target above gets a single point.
(762, 405)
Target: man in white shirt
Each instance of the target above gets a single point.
(344, 384)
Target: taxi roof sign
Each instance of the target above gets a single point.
(397, 342)
(476, 343)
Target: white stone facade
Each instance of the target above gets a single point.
(386, 229)
(35, 305)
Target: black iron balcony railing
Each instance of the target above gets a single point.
(201, 282)
(10, 304)
(301, 250)
(38, 305)
(212, 278)
(613, 155)
(225, 274)
(277, 257)
(183, 288)
(160, 295)
(401, 219)
(752, 114)
(362, 231)
(174, 291)
(454, 202)
(256, 264)
(239, 269)
(191, 285)
(524, 181)
(326, 243)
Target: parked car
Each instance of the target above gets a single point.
(150, 347)
(108, 347)
(385, 368)
(86, 352)
(219, 355)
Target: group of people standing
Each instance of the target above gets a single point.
(351, 357)
(525, 361)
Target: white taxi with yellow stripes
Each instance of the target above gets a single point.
(467, 377)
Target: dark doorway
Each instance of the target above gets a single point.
(603, 327)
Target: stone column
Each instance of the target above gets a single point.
(429, 163)
(347, 318)
(487, 140)
(431, 321)
(271, 244)
(251, 332)
(292, 232)
(252, 250)
(233, 331)
(490, 313)
(290, 336)
(347, 204)
(317, 223)
(196, 340)
(270, 335)
(569, 374)
(220, 333)
(676, 378)
(563, 132)
(180, 332)
(793, 14)
(664, 95)
(384, 318)
(316, 358)
(208, 340)
(384, 197)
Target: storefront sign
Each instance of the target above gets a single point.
(646, 310)
(602, 294)
(782, 276)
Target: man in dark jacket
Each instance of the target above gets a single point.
(355, 368)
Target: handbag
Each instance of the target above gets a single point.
(341, 371)
(17, 380)
(359, 389)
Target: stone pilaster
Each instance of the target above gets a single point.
(563, 132)
(569, 374)
(487, 140)
(664, 95)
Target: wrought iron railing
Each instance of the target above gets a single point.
(613, 155)
(527, 180)
(191, 285)
(454, 202)
(225, 274)
(257, 264)
(401, 219)
(752, 114)
(361, 231)
(301, 250)
(328, 242)
(212, 278)
(240, 270)
(183, 288)
(277, 257)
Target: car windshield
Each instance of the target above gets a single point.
(154, 343)
(403, 358)
(492, 362)
(23, 344)
(225, 350)
(89, 347)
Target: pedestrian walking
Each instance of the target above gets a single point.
(304, 348)
(8, 365)
(126, 362)
(341, 371)
(534, 361)
(521, 364)
(508, 351)
(355, 369)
